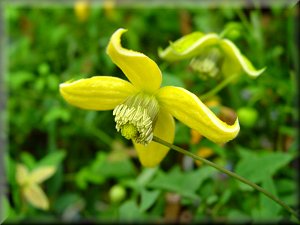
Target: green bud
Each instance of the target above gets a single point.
(247, 116)
(117, 193)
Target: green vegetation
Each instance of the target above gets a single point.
(98, 176)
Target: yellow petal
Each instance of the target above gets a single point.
(188, 46)
(21, 174)
(234, 61)
(40, 174)
(186, 107)
(152, 154)
(36, 196)
(142, 72)
(97, 93)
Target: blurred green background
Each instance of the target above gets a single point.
(99, 177)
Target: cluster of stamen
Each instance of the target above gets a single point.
(207, 64)
(136, 117)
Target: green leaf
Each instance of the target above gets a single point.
(116, 169)
(148, 198)
(225, 197)
(146, 175)
(112, 168)
(66, 200)
(28, 159)
(9, 213)
(129, 211)
(286, 186)
(212, 199)
(52, 159)
(235, 215)
(18, 79)
(257, 166)
(287, 190)
(10, 169)
(102, 168)
(4, 209)
(56, 113)
(184, 183)
(269, 208)
(182, 134)
(85, 175)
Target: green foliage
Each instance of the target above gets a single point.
(129, 212)
(184, 184)
(50, 45)
(257, 166)
(148, 198)
(99, 170)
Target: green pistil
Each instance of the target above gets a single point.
(129, 131)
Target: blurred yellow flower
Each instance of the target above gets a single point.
(82, 9)
(29, 184)
(141, 107)
(211, 55)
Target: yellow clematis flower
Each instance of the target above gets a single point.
(29, 183)
(141, 107)
(211, 55)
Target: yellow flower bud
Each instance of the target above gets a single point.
(82, 8)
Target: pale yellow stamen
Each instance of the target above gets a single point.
(207, 64)
(136, 117)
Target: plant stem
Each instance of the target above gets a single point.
(234, 175)
(219, 87)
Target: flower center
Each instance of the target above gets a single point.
(129, 131)
(207, 64)
(136, 117)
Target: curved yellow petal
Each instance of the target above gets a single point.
(97, 93)
(152, 154)
(36, 196)
(186, 107)
(234, 61)
(22, 174)
(188, 46)
(40, 174)
(141, 71)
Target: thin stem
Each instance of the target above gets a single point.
(219, 87)
(234, 175)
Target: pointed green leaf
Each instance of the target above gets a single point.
(130, 212)
(184, 183)
(52, 159)
(269, 208)
(148, 198)
(258, 166)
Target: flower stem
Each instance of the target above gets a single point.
(234, 175)
(219, 87)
